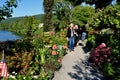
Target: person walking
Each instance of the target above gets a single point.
(70, 37)
(76, 35)
(84, 33)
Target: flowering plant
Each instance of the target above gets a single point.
(100, 55)
(58, 52)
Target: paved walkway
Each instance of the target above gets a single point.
(75, 66)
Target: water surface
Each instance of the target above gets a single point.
(6, 35)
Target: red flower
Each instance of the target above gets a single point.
(54, 46)
(54, 53)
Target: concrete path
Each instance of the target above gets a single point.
(75, 66)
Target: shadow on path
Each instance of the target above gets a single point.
(83, 71)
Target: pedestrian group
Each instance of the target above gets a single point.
(74, 35)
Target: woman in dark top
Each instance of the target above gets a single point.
(70, 37)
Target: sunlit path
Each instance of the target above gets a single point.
(76, 67)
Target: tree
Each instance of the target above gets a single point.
(29, 24)
(82, 14)
(107, 18)
(75, 2)
(118, 1)
(48, 6)
(7, 9)
(62, 11)
(98, 3)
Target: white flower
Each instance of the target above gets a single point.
(36, 76)
(11, 76)
(13, 72)
(24, 78)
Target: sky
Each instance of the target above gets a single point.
(27, 8)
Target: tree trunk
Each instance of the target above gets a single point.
(48, 6)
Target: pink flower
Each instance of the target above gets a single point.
(54, 53)
(100, 46)
(96, 59)
(109, 52)
(54, 46)
(97, 55)
(59, 60)
(108, 60)
(96, 48)
(105, 56)
(108, 48)
(65, 47)
(103, 45)
(51, 32)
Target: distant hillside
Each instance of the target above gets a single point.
(39, 17)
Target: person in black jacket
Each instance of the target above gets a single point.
(76, 34)
(70, 37)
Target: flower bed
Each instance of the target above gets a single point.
(36, 57)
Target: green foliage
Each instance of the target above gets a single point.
(106, 21)
(115, 44)
(7, 9)
(91, 42)
(108, 70)
(98, 3)
(62, 10)
(82, 14)
(75, 2)
(25, 26)
(30, 25)
(62, 13)
(39, 17)
(107, 18)
(42, 52)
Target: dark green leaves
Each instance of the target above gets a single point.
(7, 9)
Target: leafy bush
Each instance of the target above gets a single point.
(115, 56)
(106, 18)
(82, 14)
(100, 55)
(90, 42)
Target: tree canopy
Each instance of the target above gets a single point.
(7, 8)
(107, 18)
(98, 3)
(62, 13)
(82, 14)
(75, 2)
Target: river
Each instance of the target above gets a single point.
(6, 35)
